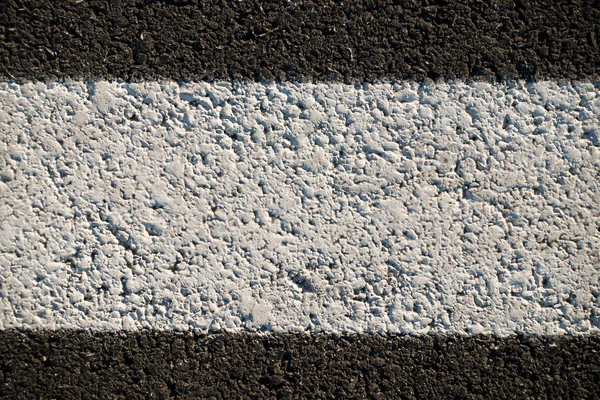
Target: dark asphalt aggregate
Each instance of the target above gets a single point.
(350, 40)
(163, 365)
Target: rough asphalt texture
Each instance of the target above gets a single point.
(142, 365)
(345, 40)
(301, 40)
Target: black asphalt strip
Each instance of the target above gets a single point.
(350, 40)
(146, 365)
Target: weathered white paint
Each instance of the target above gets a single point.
(450, 208)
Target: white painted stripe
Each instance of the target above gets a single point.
(450, 208)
